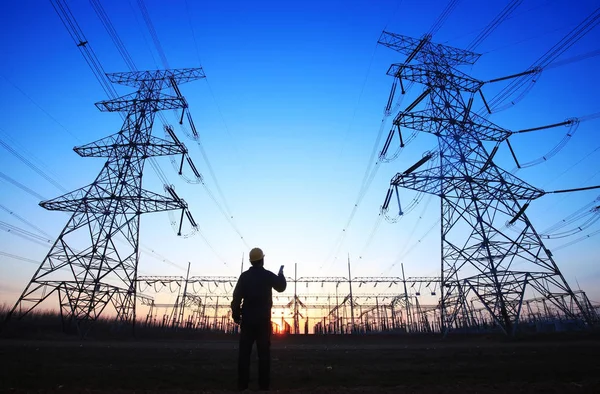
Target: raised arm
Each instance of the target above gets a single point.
(279, 282)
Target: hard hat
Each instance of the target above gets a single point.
(256, 254)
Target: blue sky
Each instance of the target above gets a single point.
(288, 116)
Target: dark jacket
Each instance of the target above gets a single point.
(254, 288)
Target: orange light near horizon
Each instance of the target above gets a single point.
(275, 329)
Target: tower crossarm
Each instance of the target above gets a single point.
(406, 45)
(312, 305)
(395, 279)
(160, 279)
(212, 279)
(113, 145)
(430, 122)
(318, 279)
(486, 186)
(167, 77)
(192, 300)
(338, 306)
(147, 301)
(372, 296)
(428, 181)
(157, 102)
(428, 308)
(433, 78)
(316, 296)
(86, 259)
(93, 199)
(403, 44)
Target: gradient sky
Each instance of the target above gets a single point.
(288, 116)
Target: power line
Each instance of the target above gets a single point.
(74, 30)
(18, 184)
(486, 30)
(25, 234)
(226, 211)
(29, 164)
(141, 30)
(77, 34)
(497, 21)
(575, 241)
(17, 257)
(113, 33)
(574, 59)
(25, 221)
(109, 27)
(360, 94)
(40, 107)
(371, 236)
(408, 251)
(497, 103)
(30, 156)
(130, 63)
(153, 35)
(212, 94)
(576, 163)
(68, 20)
(372, 169)
(439, 22)
(590, 212)
(160, 257)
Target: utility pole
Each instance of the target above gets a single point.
(184, 296)
(362, 324)
(406, 302)
(329, 315)
(378, 313)
(393, 313)
(204, 316)
(296, 322)
(216, 313)
(351, 299)
(337, 309)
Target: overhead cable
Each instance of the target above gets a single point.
(497, 103)
(373, 165)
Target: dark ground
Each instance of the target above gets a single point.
(307, 364)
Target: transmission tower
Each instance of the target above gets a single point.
(93, 263)
(490, 252)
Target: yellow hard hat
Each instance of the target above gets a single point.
(256, 254)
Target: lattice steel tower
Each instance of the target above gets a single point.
(483, 262)
(94, 261)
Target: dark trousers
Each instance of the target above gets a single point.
(261, 334)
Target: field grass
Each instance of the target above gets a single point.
(307, 364)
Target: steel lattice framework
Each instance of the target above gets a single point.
(338, 309)
(481, 259)
(93, 263)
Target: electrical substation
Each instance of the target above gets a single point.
(496, 274)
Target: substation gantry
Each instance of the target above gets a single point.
(493, 260)
(93, 264)
(337, 310)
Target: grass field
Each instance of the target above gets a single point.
(307, 364)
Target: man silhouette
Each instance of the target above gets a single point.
(254, 288)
